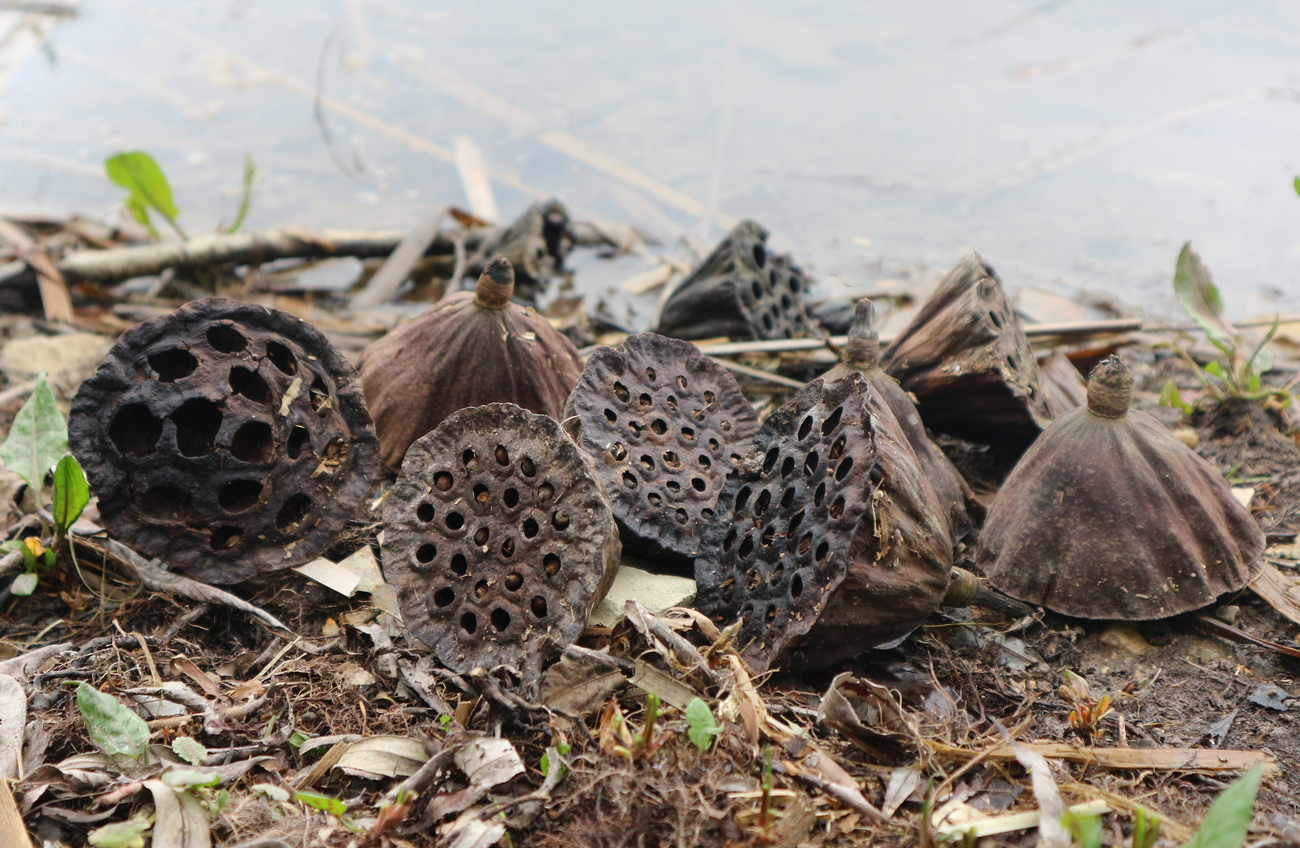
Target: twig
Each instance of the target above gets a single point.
(384, 284)
(759, 374)
(1080, 328)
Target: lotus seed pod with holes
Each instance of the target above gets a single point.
(664, 424)
(862, 355)
(1111, 516)
(226, 439)
(498, 539)
(741, 290)
(470, 349)
(967, 360)
(836, 545)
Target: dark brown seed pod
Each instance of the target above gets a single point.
(664, 424)
(226, 439)
(862, 355)
(741, 290)
(967, 360)
(472, 348)
(835, 544)
(536, 244)
(1110, 516)
(499, 540)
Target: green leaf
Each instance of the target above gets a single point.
(324, 803)
(1215, 369)
(1296, 184)
(703, 727)
(24, 584)
(71, 492)
(127, 834)
(138, 173)
(113, 727)
(245, 194)
(1086, 830)
(38, 437)
(1196, 291)
(189, 750)
(1172, 398)
(1228, 819)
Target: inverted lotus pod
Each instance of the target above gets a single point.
(967, 360)
(226, 439)
(741, 290)
(862, 355)
(499, 540)
(664, 425)
(836, 544)
(470, 349)
(1110, 516)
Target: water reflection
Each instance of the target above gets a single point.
(1076, 145)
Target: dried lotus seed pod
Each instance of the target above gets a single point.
(1110, 516)
(967, 360)
(741, 290)
(664, 425)
(836, 545)
(498, 539)
(226, 439)
(469, 349)
(862, 355)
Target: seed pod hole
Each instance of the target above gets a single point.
(454, 521)
(425, 512)
(166, 503)
(249, 384)
(460, 565)
(282, 358)
(293, 513)
(226, 339)
(135, 430)
(481, 493)
(426, 554)
(253, 442)
(197, 422)
(510, 498)
(173, 364)
(299, 438)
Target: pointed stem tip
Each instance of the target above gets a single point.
(1110, 388)
(496, 284)
(863, 347)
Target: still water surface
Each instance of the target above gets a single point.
(1076, 144)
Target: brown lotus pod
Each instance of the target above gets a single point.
(1110, 516)
(664, 425)
(227, 439)
(967, 360)
(741, 290)
(862, 356)
(835, 542)
(470, 349)
(499, 540)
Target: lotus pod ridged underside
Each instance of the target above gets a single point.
(835, 544)
(1109, 516)
(470, 349)
(227, 439)
(664, 425)
(499, 540)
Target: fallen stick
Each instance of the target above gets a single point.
(1081, 328)
(1013, 822)
(121, 263)
(1192, 760)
